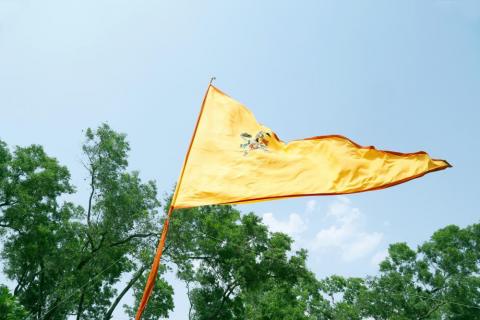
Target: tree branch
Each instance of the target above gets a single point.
(20, 283)
(132, 281)
(80, 305)
(206, 258)
(85, 260)
(136, 235)
(90, 200)
(4, 225)
(434, 308)
(225, 296)
(92, 192)
(190, 301)
(102, 239)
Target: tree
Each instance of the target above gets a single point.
(34, 223)
(440, 280)
(119, 219)
(67, 258)
(235, 269)
(10, 308)
(160, 302)
(345, 298)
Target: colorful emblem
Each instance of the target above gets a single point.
(260, 142)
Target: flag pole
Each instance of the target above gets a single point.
(161, 244)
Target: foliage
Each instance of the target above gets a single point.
(10, 308)
(345, 297)
(119, 217)
(235, 269)
(160, 302)
(37, 223)
(65, 258)
(440, 280)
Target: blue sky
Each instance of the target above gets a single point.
(400, 75)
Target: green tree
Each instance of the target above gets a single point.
(34, 223)
(235, 269)
(345, 298)
(439, 280)
(119, 219)
(160, 302)
(67, 258)
(10, 308)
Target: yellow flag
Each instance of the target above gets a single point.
(234, 159)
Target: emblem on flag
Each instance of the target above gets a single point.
(260, 142)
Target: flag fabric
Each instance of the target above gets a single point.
(234, 159)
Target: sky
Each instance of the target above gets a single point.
(400, 75)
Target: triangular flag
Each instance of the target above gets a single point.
(234, 159)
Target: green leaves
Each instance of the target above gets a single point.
(10, 308)
(65, 258)
(439, 280)
(235, 269)
(33, 220)
(161, 301)
(120, 219)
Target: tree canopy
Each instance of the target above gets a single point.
(69, 259)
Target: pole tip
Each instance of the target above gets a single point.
(212, 79)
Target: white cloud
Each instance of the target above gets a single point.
(343, 212)
(364, 244)
(347, 234)
(334, 236)
(293, 226)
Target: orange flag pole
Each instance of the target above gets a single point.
(156, 263)
(152, 277)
